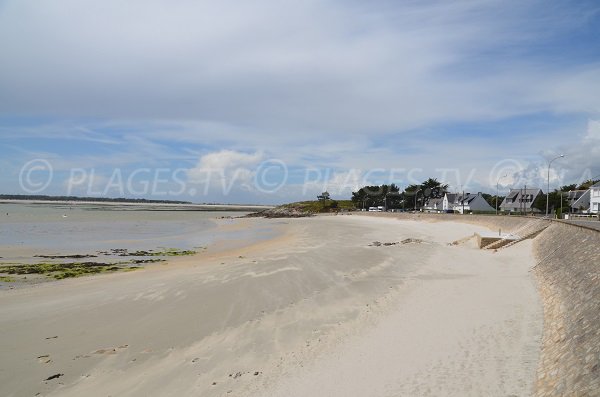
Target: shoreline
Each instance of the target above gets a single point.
(222, 247)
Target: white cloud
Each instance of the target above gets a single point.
(593, 132)
(299, 67)
(225, 171)
(327, 84)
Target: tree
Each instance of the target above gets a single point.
(421, 194)
(553, 202)
(587, 184)
(433, 189)
(373, 196)
(413, 194)
(568, 188)
(324, 196)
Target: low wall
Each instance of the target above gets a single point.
(568, 272)
(505, 223)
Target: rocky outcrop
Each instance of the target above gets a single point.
(280, 212)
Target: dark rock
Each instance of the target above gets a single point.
(77, 256)
(55, 376)
(280, 212)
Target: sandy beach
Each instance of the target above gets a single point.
(317, 310)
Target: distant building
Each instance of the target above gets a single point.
(468, 202)
(595, 198)
(448, 201)
(578, 200)
(434, 205)
(520, 200)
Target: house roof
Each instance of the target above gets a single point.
(534, 190)
(451, 197)
(583, 201)
(467, 198)
(515, 196)
(573, 195)
(515, 192)
(434, 203)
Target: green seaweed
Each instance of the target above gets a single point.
(58, 270)
(164, 252)
(72, 269)
(6, 279)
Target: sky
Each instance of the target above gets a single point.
(277, 101)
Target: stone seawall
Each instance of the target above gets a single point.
(568, 275)
(568, 272)
(503, 223)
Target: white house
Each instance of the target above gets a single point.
(579, 200)
(595, 198)
(433, 205)
(449, 201)
(468, 202)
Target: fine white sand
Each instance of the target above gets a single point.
(314, 312)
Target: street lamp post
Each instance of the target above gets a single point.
(497, 182)
(561, 204)
(548, 191)
(385, 207)
(416, 195)
(386, 195)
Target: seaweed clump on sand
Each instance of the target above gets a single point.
(163, 252)
(72, 269)
(61, 270)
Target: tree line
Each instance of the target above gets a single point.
(419, 195)
(390, 196)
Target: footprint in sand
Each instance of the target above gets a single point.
(110, 350)
(45, 359)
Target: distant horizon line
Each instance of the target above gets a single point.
(114, 200)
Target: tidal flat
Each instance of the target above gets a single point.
(53, 241)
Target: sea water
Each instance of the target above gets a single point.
(63, 229)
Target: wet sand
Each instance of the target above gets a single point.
(318, 310)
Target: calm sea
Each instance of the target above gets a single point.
(84, 229)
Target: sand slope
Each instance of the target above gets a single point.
(319, 312)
